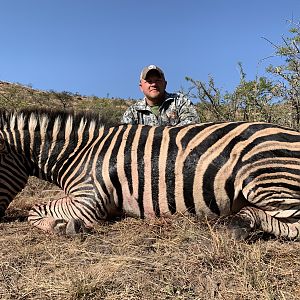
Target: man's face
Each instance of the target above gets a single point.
(153, 87)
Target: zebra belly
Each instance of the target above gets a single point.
(145, 208)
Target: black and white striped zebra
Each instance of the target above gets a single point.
(248, 170)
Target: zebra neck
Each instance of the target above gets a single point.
(47, 143)
(51, 159)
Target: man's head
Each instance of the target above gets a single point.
(153, 84)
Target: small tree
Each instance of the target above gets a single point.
(65, 98)
(287, 76)
(211, 106)
(250, 101)
(253, 99)
(275, 99)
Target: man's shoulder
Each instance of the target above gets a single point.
(171, 96)
(138, 105)
(179, 98)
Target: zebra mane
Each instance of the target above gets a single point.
(40, 118)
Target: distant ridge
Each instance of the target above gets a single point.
(18, 96)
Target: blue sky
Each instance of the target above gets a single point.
(98, 48)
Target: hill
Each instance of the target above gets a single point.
(18, 96)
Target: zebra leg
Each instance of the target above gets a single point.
(47, 224)
(63, 216)
(249, 219)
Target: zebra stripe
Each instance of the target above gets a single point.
(250, 170)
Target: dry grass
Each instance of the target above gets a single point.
(180, 258)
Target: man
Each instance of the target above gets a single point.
(159, 107)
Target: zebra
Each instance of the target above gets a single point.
(246, 170)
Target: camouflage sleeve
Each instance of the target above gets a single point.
(128, 117)
(187, 111)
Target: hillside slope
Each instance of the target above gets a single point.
(18, 96)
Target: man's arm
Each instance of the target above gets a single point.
(129, 116)
(186, 111)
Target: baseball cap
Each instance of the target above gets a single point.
(150, 68)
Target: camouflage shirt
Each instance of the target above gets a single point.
(176, 109)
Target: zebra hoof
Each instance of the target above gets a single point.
(240, 228)
(75, 226)
(59, 227)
